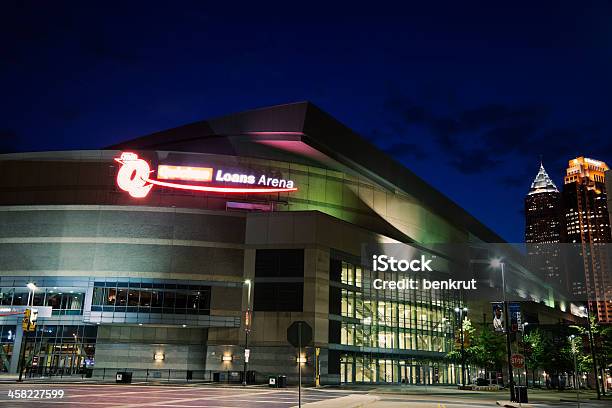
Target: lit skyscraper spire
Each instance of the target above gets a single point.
(542, 183)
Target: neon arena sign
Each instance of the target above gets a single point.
(134, 176)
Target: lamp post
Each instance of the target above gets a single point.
(31, 289)
(523, 328)
(247, 329)
(576, 377)
(460, 312)
(592, 344)
(497, 263)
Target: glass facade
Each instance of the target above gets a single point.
(141, 297)
(390, 335)
(62, 349)
(7, 338)
(64, 300)
(66, 345)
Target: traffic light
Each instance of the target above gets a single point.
(29, 319)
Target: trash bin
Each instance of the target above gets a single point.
(189, 375)
(520, 394)
(216, 377)
(88, 372)
(250, 378)
(272, 382)
(123, 377)
(281, 380)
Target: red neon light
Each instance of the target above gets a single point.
(133, 177)
(220, 189)
(10, 313)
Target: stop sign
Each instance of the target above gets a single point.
(518, 361)
(294, 331)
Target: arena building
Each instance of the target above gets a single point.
(155, 255)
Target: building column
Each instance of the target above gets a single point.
(16, 348)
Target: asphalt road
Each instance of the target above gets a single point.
(139, 396)
(134, 396)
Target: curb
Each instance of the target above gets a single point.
(509, 404)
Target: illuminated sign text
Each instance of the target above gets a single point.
(134, 177)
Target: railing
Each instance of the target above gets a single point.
(138, 375)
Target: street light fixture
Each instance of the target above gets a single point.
(32, 288)
(24, 341)
(497, 263)
(461, 311)
(247, 329)
(576, 377)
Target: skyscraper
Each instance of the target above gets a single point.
(544, 229)
(588, 223)
(543, 211)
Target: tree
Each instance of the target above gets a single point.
(534, 345)
(602, 341)
(485, 347)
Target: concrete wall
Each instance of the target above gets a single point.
(134, 347)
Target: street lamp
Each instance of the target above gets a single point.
(247, 329)
(460, 312)
(32, 288)
(576, 378)
(497, 263)
(24, 341)
(592, 344)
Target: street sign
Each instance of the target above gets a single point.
(247, 354)
(518, 361)
(293, 334)
(248, 317)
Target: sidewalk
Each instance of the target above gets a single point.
(12, 378)
(350, 401)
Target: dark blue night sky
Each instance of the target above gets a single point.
(468, 95)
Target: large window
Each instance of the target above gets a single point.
(279, 263)
(63, 300)
(137, 297)
(351, 274)
(369, 368)
(395, 320)
(279, 296)
(279, 280)
(7, 340)
(63, 349)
